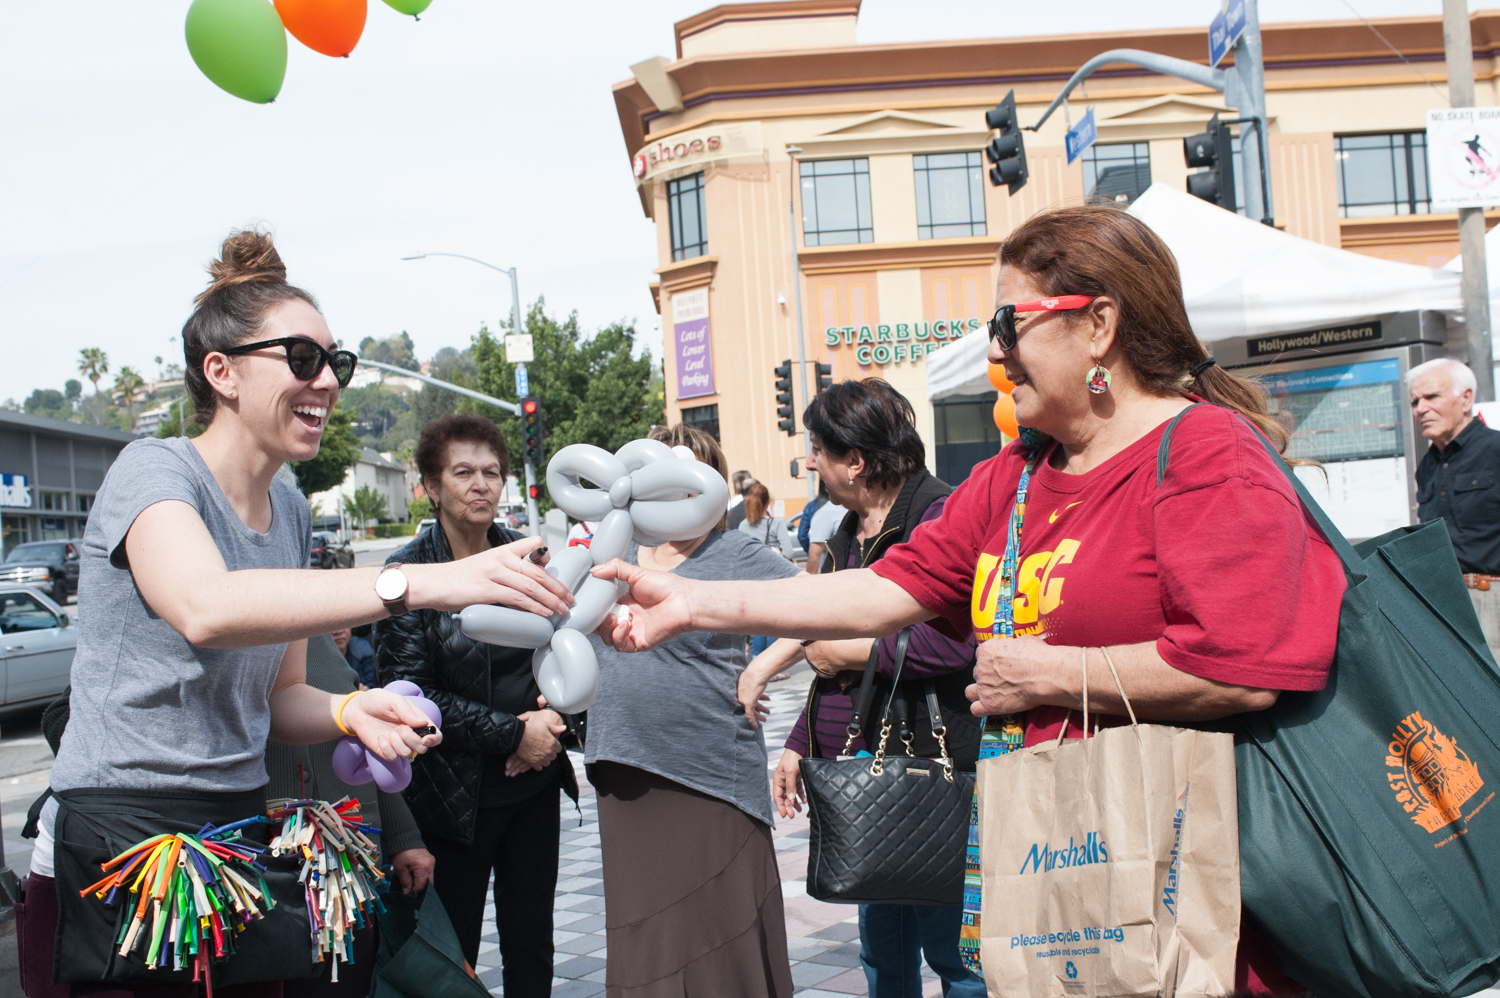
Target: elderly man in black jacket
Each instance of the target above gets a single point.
(488, 798)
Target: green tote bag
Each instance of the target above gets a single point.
(419, 954)
(1369, 828)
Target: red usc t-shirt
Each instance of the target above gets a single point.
(1219, 565)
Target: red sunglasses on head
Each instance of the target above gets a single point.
(1003, 322)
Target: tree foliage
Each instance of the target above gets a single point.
(336, 455)
(594, 390)
(396, 350)
(365, 505)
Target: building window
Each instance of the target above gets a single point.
(703, 417)
(685, 209)
(964, 426)
(1381, 175)
(836, 202)
(1119, 172)
(55, 501)
(54, 528)
(950, 195)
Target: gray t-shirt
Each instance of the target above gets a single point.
(674, 710)
(148, 710)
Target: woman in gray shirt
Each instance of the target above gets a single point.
(194, 614)
(692, 895)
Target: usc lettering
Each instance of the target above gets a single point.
(1039, 590)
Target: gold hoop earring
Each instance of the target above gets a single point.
(1099, 379)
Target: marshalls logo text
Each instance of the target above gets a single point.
(1044, 857)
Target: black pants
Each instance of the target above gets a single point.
(518, 842)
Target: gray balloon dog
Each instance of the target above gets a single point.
(648, 491)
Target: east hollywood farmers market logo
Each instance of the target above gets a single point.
(1431, 776)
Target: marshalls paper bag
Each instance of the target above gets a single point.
(1111, 866)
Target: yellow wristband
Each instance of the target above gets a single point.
(338, 715)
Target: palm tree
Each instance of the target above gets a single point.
(129, 383)
(93, 363)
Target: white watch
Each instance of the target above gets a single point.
(391, 586)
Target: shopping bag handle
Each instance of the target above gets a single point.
(1083, 664)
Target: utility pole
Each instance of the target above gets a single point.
(1458, 49)
(791, 207)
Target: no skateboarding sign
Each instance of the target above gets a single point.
(1463, 157)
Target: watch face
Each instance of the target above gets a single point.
(390, 584)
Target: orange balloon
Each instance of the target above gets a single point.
(998, 378)
(1005, 416)
(331, 27)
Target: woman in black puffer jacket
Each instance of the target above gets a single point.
(487, 798)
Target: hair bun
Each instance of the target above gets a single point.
(248, 255)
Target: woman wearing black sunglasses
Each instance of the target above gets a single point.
(195, 613)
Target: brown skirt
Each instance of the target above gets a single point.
(692, 896)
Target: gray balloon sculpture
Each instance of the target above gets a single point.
(648, 491)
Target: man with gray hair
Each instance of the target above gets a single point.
(1458, 480)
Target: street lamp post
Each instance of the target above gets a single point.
(791, 207)
(532, 513)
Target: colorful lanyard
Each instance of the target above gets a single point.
(1003, 734)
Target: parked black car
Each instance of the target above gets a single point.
(329, 552)
(49, 567)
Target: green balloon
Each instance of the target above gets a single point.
(239, 45)
(412, 7)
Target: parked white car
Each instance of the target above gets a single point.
(37, 641)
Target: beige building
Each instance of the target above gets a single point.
(897, 227)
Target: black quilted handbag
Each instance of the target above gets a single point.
(887, 830)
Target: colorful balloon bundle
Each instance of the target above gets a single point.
(186, 896)
(340, 869)
(241, 44)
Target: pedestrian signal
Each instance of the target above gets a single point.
(825, 378)
(1212, 153)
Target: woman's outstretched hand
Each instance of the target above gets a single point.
(387, 724)
(503, 576)
(657, 605)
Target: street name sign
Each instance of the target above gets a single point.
(1225, 30)
(1081, 136)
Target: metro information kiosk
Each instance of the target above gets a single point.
(1341, 393)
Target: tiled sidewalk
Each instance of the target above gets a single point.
(822, 939)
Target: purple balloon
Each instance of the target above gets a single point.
(401, 687)
(349, 762)
(430, 709)
(392, 777)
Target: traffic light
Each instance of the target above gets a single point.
(1006, 151)
(531, 430)
(534, 491)
(784, 399)
(1215, 150)
(825, 377)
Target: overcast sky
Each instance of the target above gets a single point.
(486, 128)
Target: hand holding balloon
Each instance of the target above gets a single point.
(386, 725)
(646, 490)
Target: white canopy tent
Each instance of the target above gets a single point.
(1242, 278)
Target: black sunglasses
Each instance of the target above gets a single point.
(305, 358)
(1003, 323)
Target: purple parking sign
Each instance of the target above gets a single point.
(695, 360)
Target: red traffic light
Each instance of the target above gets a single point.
(528, 406)
(535, 491)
